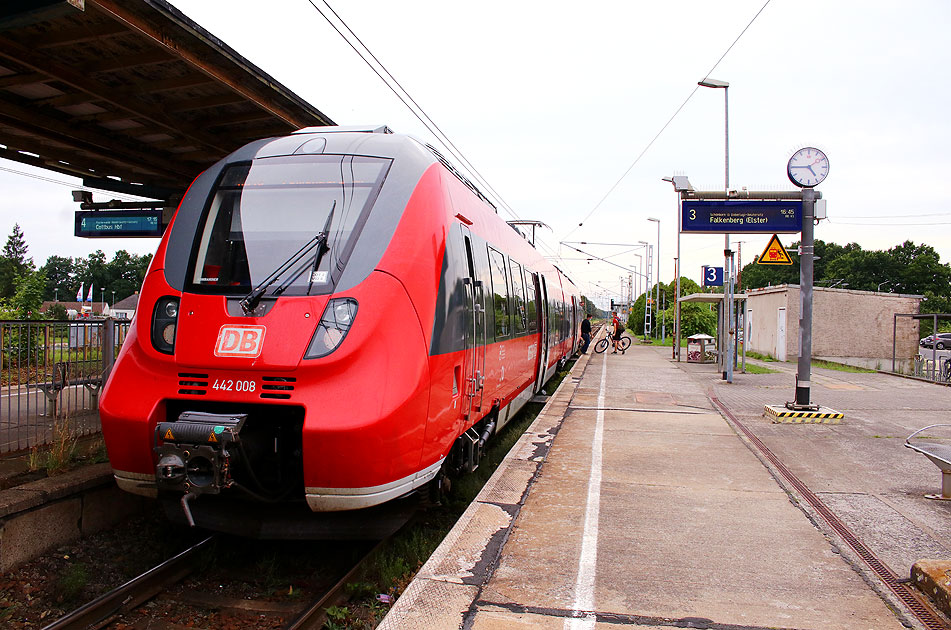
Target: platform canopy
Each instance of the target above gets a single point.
(711, 298)
(130, 95)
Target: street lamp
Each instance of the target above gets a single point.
(113, 299)
(681, 185)
(56, 294)
(727, 254)
(657, 299)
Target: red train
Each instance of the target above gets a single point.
(334, 320)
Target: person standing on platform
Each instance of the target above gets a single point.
(618, 329)
(585, 333)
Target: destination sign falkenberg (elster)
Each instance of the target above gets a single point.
(736, 216)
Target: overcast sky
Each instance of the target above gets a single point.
(553, 102)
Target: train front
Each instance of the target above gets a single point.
(277, 365)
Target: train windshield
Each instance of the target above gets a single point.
(262, 212)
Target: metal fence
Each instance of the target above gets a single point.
(51, 373)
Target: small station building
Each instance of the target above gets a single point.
(853, 327)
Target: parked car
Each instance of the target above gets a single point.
(943, 341)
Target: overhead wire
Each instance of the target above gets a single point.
(664, 128)
(70, 184)
(407, 99)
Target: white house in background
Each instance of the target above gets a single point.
(125, 309)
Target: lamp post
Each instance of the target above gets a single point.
(113, 299)
(56, 294)
(657, 299)
(681, 184)
(727, 254)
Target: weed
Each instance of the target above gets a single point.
(62, 451)
(751, 354)
(71, 584)
(34, 461)
(336, 617)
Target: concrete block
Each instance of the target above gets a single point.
(933, 578)
(19, 499)
(107, 506)
(28, 534)
(83, 478)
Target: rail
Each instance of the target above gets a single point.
(133, 593)
(51, 373)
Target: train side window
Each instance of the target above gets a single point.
(518, 296)
(531, 305)
(500, 293)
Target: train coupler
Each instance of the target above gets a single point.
(196, 452)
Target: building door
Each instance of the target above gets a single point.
(781, 334)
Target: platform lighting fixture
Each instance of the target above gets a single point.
(681, 184)
(707, 82)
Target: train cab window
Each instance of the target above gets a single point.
(518, 297)
(500, 294)
(262, 212)
(530, 304)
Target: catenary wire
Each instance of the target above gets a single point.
(405, 96)
(70, 184)
(666, 124)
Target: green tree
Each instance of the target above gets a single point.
(60, 278)
(125, 274)
(14, 262)
(92, 271)
(28, 297)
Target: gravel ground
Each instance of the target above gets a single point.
(41, 591)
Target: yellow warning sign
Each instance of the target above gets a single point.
(168, 435)
(212, 438)
(774, 254)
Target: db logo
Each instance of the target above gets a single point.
(239, 341)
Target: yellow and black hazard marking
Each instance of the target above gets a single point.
(824, 415)
(168, 435)
(212, 438)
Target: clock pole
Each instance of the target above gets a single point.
(806, 260)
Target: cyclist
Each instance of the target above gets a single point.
(618, 329)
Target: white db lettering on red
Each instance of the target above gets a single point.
(240, 341)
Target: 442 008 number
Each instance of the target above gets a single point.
(231, 385)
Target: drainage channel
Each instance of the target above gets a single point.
(904, 592)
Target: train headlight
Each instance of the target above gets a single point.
(333, 327)
(164, 323)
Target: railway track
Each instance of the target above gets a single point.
(124, 605)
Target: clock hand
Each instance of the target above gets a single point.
(809, 166)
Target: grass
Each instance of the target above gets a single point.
(841, 367)
(750, 354)
(758, 369)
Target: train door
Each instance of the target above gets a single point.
(541, 295)
(474, 362)
(574, 323)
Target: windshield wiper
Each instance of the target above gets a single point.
(252, 299)
(312, 263)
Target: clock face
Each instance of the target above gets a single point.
(808, 167)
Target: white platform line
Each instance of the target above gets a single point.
(588, 561)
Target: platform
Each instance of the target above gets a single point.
(631, 501)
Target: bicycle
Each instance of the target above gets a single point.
(623, 344)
